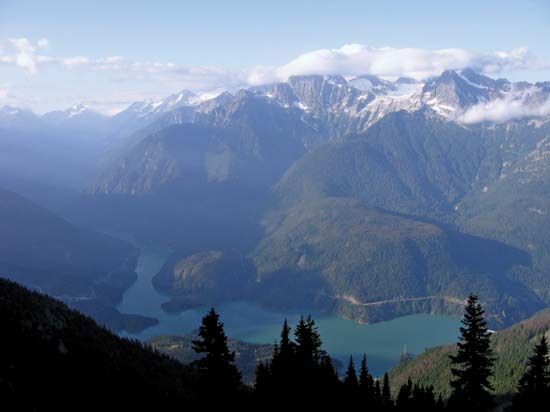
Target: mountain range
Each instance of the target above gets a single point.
(364, 197)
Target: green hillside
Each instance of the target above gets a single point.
(512, 347)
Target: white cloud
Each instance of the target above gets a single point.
(76, 61)
(513, 106)
(348, 60)
(357, 59)
(24, 54)
(11, 96)
(43, 43)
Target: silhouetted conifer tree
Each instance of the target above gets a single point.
(366, 382)
(350, 380)
(308, 343)
(473, 362)
(387, 402)
(534, 385)
(217, 363)
(283, 357)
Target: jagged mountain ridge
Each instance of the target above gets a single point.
(418, 171)
(334, 106)
(261, 169)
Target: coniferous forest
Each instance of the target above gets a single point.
(66, 360)
(301, 372)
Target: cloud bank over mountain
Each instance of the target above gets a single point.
(349, 60)
(357, 59)
(514, 106)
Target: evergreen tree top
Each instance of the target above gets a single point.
(472, 364)
(217, 363)
(536, 380)
(351, 376)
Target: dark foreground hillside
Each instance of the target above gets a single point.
(52, 356)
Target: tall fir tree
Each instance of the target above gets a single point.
(217, 362)
(350, 379)
(308, 343)
(366, 382)
(283, 354)
(286, 345)
(534, 385)
(473, 362)
(350, 386)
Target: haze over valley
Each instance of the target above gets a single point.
(380, 189)
(330, 194)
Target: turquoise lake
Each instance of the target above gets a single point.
(383, 342)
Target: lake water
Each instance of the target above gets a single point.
(383, 342)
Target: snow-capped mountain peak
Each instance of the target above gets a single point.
(77, 110)
(151, 107)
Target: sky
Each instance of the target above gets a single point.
(108, 54)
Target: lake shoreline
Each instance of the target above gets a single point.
(383, 342)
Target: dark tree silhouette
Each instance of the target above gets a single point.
(423, 399)
(350, 380)
(284, 354)
(534, 385)
(263, 379)
(366, 382)
(403, 401)
(377, 395)
(308, 343)
(473, 362)
(298, 369)
(439, 404)
(217, 363)
(387, 402)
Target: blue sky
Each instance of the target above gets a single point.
(165, 42)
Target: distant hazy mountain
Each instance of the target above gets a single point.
(13, 118)
(86, 269)
(141, 114)
(60, 149)
(357, 200)
(365, 197)
(79, 119)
